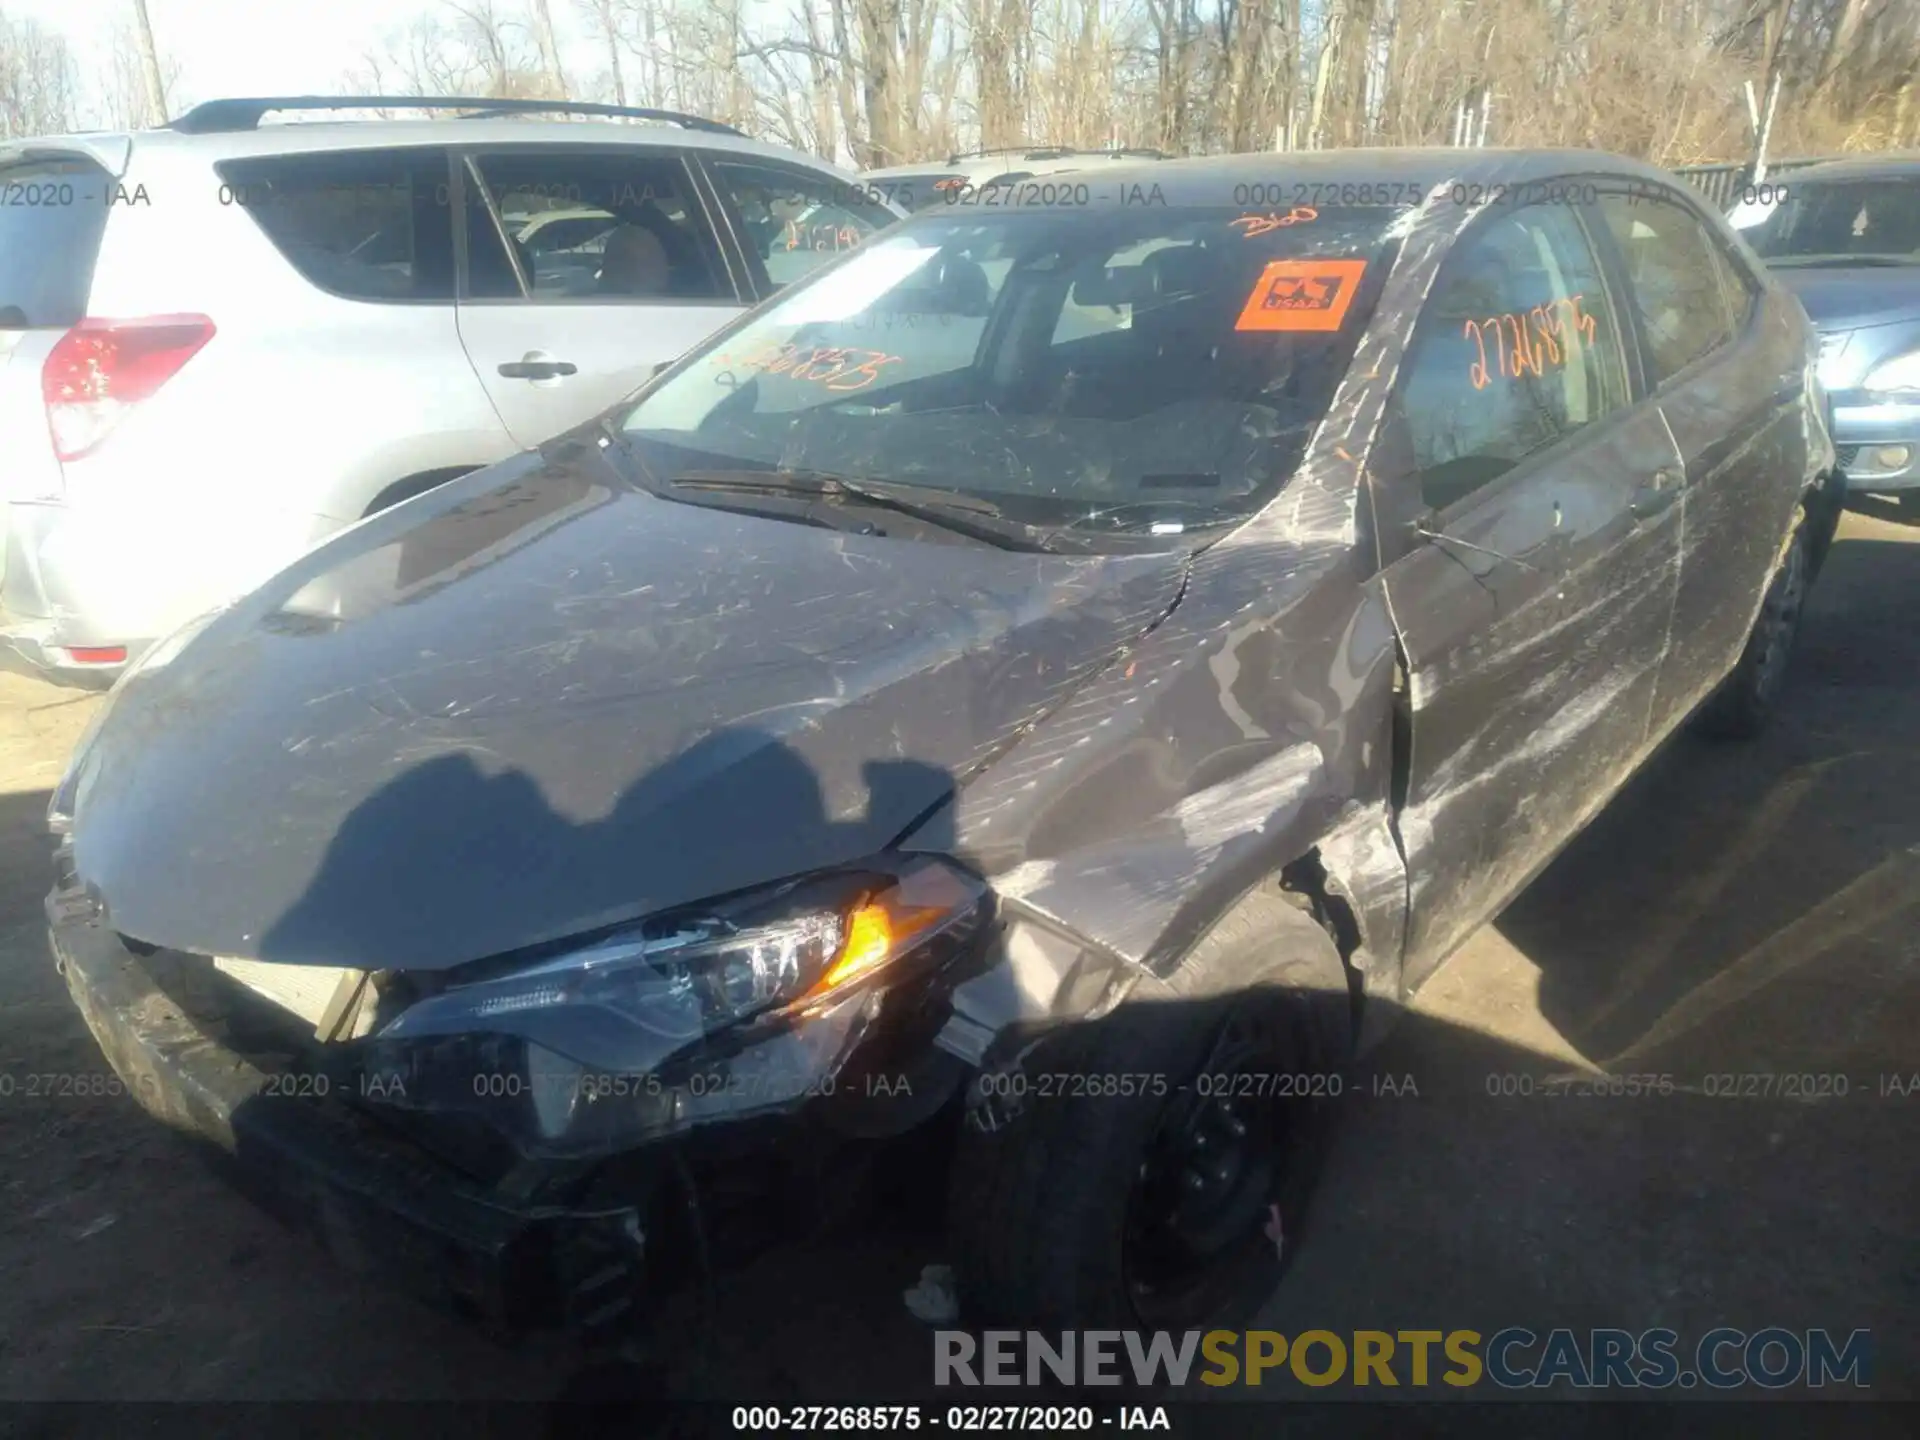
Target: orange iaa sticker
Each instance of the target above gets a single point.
(1302, 295)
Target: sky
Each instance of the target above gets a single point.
(253, 47)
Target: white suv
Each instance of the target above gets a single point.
(220, 342)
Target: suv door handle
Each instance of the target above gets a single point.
(538, 369)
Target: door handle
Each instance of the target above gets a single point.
(538, 369)
(1656, 495)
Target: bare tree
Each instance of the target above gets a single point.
(38, 80)
(120, 87)
(606, 17)
(150, 65)
(881, 82)
(469, 47)
(549, 48)
(998, 31)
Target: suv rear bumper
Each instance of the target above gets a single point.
(102, 575)
(377, 1202)
(44, 616)
(38, 647)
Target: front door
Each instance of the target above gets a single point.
(1533, 615)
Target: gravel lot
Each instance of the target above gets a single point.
(1739, 910)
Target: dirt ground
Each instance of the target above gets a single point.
(1740, 910)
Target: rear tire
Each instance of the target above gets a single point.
(1746, 700)
(1082, 1210)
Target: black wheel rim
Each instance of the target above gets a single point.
(1198, 1221)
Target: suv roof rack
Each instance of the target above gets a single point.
(1051, 152)
(217, 116)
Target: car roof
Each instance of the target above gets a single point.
(1892, 165)
(1211, 179)
(1002, 162)
(316, 136)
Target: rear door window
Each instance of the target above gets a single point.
(52, 214)
(791, 221)
(1679, 278)
(361, 224)
(619, 227)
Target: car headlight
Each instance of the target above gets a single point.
(1902, 372)
(653, 1027)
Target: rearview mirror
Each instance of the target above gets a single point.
(1129, 285)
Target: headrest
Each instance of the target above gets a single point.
(1164, 275)
(950, 285)
(634, 262)
(1182, 270)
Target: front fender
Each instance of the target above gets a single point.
(1081, 933)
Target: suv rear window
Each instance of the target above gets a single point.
(52, 214)
(362, 224)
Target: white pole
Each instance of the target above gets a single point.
(1766, 133)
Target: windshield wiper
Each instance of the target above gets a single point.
(968, 515)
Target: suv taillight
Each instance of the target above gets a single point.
(100, 367)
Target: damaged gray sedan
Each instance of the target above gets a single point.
(1052, 682)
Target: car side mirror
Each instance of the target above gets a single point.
(663, 365)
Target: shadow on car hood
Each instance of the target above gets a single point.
(538, 701)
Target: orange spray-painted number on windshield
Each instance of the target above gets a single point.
(1528, 342)
(1257, 225)
(831, 366)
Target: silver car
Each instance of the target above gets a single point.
(1844, 236)
(222, 341)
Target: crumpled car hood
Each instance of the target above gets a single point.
(537, 701)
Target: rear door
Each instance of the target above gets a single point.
(584, 268)
(1731, 389)
(53, 212)
(1534, 620)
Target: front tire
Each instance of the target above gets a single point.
(1746, 700)
(1153, 1210)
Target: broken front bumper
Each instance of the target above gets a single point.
(378, 1202)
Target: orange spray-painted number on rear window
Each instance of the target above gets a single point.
(831, 366)
(1527, 342)
(821, 237)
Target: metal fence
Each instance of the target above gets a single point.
(1722, 184)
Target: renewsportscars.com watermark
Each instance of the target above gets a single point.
(1516, 1358)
